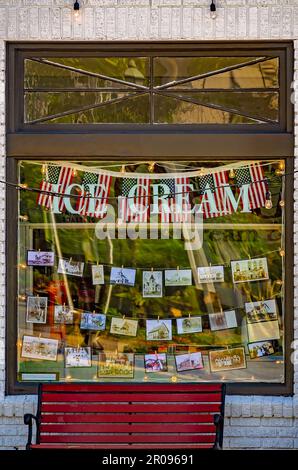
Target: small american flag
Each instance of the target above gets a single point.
(134, 209)
(175, 213)
(54, 175)
(216, 183)
(254, 176)
(94, 206)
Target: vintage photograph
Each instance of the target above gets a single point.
(264, 310)
(178, 277)
(116, 365)
(227, 359)
(70, 267)
(152, 283)
(260, 349)
(37, 308)
(124, 276)
(63, 314)
(40, 258)
(124, 326)
(93, 321)
(261, 331)
(156, 362)
(78, 357)
(97, 274)
(210, 274)
(223, 320)
(189, 325)
(189, 361)
(158, 330)
(39, 348)
(248, 270)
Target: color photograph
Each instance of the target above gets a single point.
(77, 357)
(116, 365)
(40, 258)
(124, 276)
(70, 267)
(34, 347)
(97, 274)
(191, 361)
(63, 314)
(210, 274)
(93, 321)
(260, 349)
(223, 320)
(249, 270)
(159, 330)
(189, 325)
(227, 359)
(124, 326)
(264, 310)
(37, 308)
(156, 363)
(178, 277)
(152, 283)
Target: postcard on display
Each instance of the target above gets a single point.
(263, 310)
(124, 326)
(189, 325)
(156, 362)
(93, 321)
(70, 267)
(261, 349)
(158, 330)
(78, 357)
(116, 365)
(97, 274)
(37, 308)
(227, 359)
(124, 276)
(34, 347)
(152, 283)
(210, 274)
(178, 277)
(40, 258)
(63, 314)
(191, 361)
(223, 320)
(248, 270)
(261, 331)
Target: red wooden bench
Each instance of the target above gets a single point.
(125, 416)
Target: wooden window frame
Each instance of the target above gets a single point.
(119, 142)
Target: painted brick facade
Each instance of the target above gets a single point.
(251, 422)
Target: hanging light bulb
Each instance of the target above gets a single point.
(74, 172)
(23, 185)
(151, 167)
(43, 169)
(268, 203)
(282, 203)
(76, 8)
(213, 13)
(282, 165)
(232, 173)
(282, 252)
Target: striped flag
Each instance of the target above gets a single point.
(94, 206)
(174, 212)
(134, 208)
(254, 176)
(216, 183)
(54, 175)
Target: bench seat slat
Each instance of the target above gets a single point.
(133, 408)
(118, 418)
(127, 428)
(127, 438)
(128, 387)
(130, 397)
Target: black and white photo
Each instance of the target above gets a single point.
(123, 276)
(70, 267)
(210, 274)
(223, 320)
(159, 330)
(97, 274)
(124, 326)
(63, 314)
(178, 277)
(37, 308)
(189, 325)
(78, 357)
(263, 310)
(152, 283)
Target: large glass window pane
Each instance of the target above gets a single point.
(202, 299)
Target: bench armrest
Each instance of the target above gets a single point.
(28, 420)
(218, 421)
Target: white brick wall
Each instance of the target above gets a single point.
(251, 422)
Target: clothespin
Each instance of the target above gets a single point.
(158, 318)
(151, 269)
(189, 315)
(177, 268)
(123, 317)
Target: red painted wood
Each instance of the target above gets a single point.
(166, 438)
(127, 446)
(130, 397)
(127, 418)
(92, 388)
(135, 408)
(127, 428)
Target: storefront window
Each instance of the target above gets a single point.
(109, 291)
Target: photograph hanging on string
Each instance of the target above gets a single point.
(37, 309)
(152, 283)
(34, 347)
(93, 321)
(63, 314)
(263, 310)
(124, 326)
(189, 361)
(97, 274)
(78, 357)
(123, 276)
(156, 362)
(223, 320)
(261, 349)
(70, 267)
(189, 325)
(178, 277)
(40, 258)
(249, 270)
(210, 274)
(115, 365)
(261, 331)
(158, 330)
(227, 359)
